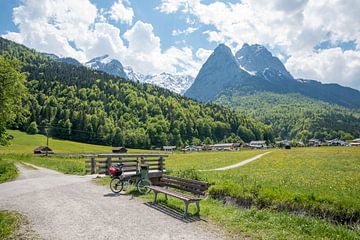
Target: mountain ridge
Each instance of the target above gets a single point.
(253, 68)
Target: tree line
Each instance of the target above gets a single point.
(85, 105)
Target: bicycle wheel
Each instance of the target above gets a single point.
(142, 186)
(116, 185)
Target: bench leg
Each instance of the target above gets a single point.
(166, 197)
(198, 206)
(186, 208)
(155, 196)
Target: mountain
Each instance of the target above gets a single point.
(254, 69)
(256, 83)
(108, 65)
(67, 60)
(175, 83)
(256, 59)
(295, 116)
(82, 104)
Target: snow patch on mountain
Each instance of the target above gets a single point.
(175, 83)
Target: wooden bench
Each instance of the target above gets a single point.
(180, 188)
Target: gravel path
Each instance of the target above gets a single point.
(72, 207)
(242, 163)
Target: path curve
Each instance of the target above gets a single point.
(242, 163)
(70, 207)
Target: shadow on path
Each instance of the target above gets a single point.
(175, 213)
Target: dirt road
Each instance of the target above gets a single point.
(72, 207)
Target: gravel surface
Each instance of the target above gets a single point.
(72, 207)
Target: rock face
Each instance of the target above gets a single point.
(253, 69)
(108, 65)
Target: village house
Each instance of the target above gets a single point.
(355, 142)
(314, 142)
(224, 146)
(169, 148)
(192, 148)
(257, 144)
(336, 142)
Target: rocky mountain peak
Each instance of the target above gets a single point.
(256, 58)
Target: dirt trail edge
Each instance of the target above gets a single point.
(68, 207)
(242, 163)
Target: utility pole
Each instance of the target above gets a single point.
(47, 140)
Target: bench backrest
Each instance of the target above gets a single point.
(188, 185)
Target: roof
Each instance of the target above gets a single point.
(169, 147)
(43, 148)
(257, 142)
(222, 145)
(356, 140)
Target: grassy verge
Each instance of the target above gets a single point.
(9, 222)
(8, 171)
(68, 165)
(259, 224)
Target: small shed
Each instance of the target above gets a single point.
(43, 150)
(169, 148)
(119, 150)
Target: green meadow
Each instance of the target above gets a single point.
(302, 193)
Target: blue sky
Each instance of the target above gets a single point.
(314, 39)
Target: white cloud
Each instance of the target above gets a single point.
(294, 28)
(122, 13)
(329, 65)
(49, 26)
(189, 30)
(203, 54)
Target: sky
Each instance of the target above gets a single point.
(315, 39)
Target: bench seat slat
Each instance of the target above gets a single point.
(179, 195)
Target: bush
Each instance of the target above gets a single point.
(32, 128)
(8, 171)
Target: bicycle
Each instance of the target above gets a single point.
(120, 182)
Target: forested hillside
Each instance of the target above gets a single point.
(294, 116)
(90, 106)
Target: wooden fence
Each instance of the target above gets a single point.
(100, 163)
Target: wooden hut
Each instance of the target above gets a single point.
(43, 150)
(119, 150)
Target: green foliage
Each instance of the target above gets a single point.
(8, 171)
(12, 90)
(293, 116)
(32, 128)
(9, 222)
(90, 106)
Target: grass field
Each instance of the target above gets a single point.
(321, 181)
(287, 194)
(67, 157)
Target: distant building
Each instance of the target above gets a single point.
(119, 150)
(169, 148)
(224, 146)
(43, 150)
(192, 149)
(257, 144)
(355, 142)
(336, 142)
(314, 142)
